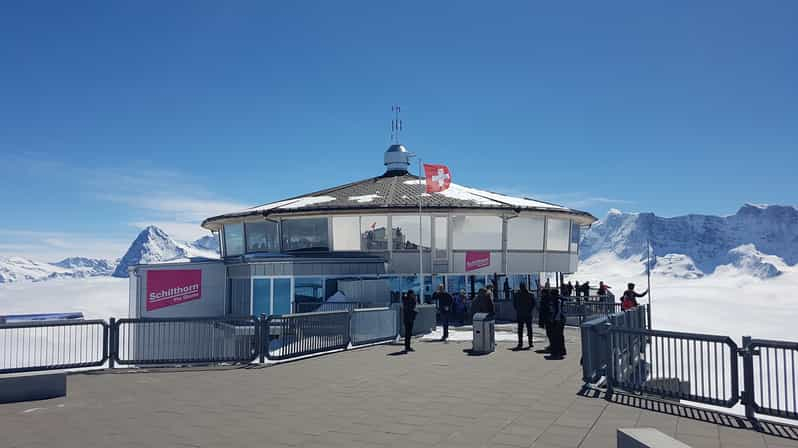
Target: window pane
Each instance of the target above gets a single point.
(308, 293)
(346, 233)
(405, 232)
(476, 232)
(455, 283)
(374, 232)
(575, 229)
(262, 237)
(525, 233)
(557, 234)
(441, 233)
(234, 239)
(308, 233)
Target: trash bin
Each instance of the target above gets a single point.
(484, 337)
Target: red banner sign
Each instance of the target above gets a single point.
(476, 260)
(172, 287)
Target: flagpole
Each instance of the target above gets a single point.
(648, 271)
(420, 238)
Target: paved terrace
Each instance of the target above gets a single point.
(373, 397)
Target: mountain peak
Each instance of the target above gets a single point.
(154, 245)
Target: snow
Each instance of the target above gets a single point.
(482, 197)
(730, 302)
(744, 239)
(308, 201)
(153, 245)
(364, 198)
(14, 269)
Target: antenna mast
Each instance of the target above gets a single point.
(396, 124)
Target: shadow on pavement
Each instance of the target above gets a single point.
(704, 415)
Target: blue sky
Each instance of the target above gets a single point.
(114, 115)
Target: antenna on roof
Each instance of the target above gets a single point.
(396, 124)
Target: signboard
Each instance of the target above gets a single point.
(172, 287)
(476, 260)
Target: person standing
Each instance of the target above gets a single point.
(445, 302)
(459, 306)
(409, 316)
(544, 315)
(524, 304)
(603, 289)
(629, 298)
(483, 303)
(569, 288)
(557, 324)
(507, 290)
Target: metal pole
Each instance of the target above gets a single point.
(648, 272)
(420, 239)
(748, 379)
(112, 343)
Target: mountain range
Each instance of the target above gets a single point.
(152, 245)
(758, 240)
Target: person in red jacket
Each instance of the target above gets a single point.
(629, 298)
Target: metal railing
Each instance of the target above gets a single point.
(179, 341)
(52, 345)
(371, 325)
(293, 335)
(596, 344)
(686, 366)
(771, 380)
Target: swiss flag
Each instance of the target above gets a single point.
(438, 177)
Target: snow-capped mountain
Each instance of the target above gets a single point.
(13, 269)
(153, 245)
(760, 240)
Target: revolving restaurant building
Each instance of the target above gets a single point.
(361, 241)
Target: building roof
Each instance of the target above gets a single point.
(397, 191)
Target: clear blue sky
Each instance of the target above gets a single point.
(118, 114)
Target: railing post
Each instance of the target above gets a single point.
(112, 342)
(748, 378)
(261, 332)
(610, 362)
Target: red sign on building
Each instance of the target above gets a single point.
(171, 287)
(476, 260)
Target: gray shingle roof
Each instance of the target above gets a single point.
(397, 192)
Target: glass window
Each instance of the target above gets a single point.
(441, 235)
(346, 233)
(524, 233)
(575, 237)
(557, 234)
(395, 283)
(476, 232)
(308, 293)
(455, 283)
(475, 282)
(234, 239)
(405, 232)
(374, 232)
(262, 237)
(306, 233)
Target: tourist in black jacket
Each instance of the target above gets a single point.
(524, 303)
(409, 316)
(444, 301)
